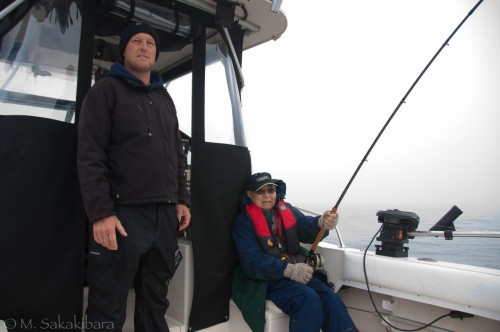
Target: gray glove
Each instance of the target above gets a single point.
(330, 220)
(300, 272)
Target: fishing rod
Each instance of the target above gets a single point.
(403, 100)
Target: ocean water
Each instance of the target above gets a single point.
(358, 226)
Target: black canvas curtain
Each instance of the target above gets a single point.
(42, 225)
(219, 175)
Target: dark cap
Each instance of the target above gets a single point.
(135, 28)
(259, 180)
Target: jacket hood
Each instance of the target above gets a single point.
(280, 194)
(118, 70)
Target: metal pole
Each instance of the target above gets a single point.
(456, 234)
(10, 8)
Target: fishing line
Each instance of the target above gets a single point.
(403, 100)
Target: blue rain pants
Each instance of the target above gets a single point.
(310, 307)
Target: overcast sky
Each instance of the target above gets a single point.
(316, 98)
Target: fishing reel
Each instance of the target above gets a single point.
(315, 261)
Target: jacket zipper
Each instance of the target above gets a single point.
(146, 116)
(157, 121)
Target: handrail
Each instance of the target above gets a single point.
(10, 8)
(455, 234)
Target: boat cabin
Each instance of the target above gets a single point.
(51, 52)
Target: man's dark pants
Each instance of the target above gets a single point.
(144, 259)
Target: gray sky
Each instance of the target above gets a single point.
(316, 98)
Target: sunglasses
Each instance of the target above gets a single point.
(262, 191)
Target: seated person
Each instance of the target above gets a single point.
(267, 235)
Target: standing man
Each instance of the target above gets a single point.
(132, 176)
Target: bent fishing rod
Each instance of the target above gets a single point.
(319, 237)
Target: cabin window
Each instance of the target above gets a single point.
(180, 90)
(223, 120)
(39, 62)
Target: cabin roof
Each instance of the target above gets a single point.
(258, 22)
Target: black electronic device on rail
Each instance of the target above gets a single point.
(394, 234)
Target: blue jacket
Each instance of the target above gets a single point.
(256, 267)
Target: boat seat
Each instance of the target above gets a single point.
(181, 292)
(276, 320)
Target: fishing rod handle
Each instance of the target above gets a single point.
(319, 237)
